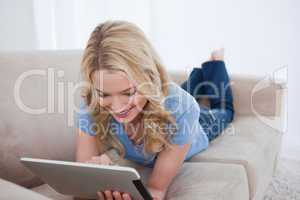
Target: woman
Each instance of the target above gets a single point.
(130, 104)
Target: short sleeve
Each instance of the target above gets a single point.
(84, 121)
(188, 125)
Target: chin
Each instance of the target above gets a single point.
(128, 119)
(124, 120)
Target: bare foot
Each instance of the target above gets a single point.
(217, 54)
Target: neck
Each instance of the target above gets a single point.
(134, 129)
(135, 122)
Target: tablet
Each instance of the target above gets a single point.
(85, 179)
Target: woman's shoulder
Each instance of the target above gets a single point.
(178, 101)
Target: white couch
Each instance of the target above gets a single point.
(237, 166)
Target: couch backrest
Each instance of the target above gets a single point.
(51, 134)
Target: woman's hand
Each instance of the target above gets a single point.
(113, 195)
(116, 195)
(107, 194)
(103, 159)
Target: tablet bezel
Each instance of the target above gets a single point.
(32, 163)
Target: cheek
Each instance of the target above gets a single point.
(140, 101)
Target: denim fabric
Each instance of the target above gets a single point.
(212, 81)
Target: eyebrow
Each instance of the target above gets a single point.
(118, 92)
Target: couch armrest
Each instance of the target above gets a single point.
(253, 95)
(258, 95)
(261, 97)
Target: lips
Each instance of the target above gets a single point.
(124, 113)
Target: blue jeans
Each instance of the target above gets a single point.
(212, 81)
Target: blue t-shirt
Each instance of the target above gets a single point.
(182, 106)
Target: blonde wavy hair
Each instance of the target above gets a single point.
(121, 45)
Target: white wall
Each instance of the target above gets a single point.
(64, 25)
(17, 30)
(254, 33)
(257, 34)
(291, 144)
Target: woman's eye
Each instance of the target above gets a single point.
(127, 94)
(131, 93)
(102, 95)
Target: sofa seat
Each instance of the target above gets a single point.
(11, 191)
(250, 143)
(49, 192)
(194, 181)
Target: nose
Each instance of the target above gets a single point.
(118, 104)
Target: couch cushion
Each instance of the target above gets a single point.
(45, 135)
(194, 181)
(251, 143)
(12, 191)
(209, 181)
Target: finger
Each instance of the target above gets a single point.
(110, 162)
(101, 160)
(106, 161)
(102, 157)
(117, 195)
(96, 158)
(108, 195)
(89, 161)
(92, 162)
(100, 196)
(126, 196)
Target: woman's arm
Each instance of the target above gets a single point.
(167, 164)
(87, 150)
(86, 146)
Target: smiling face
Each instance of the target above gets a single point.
(118, 95)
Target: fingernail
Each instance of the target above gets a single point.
(126, 196)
